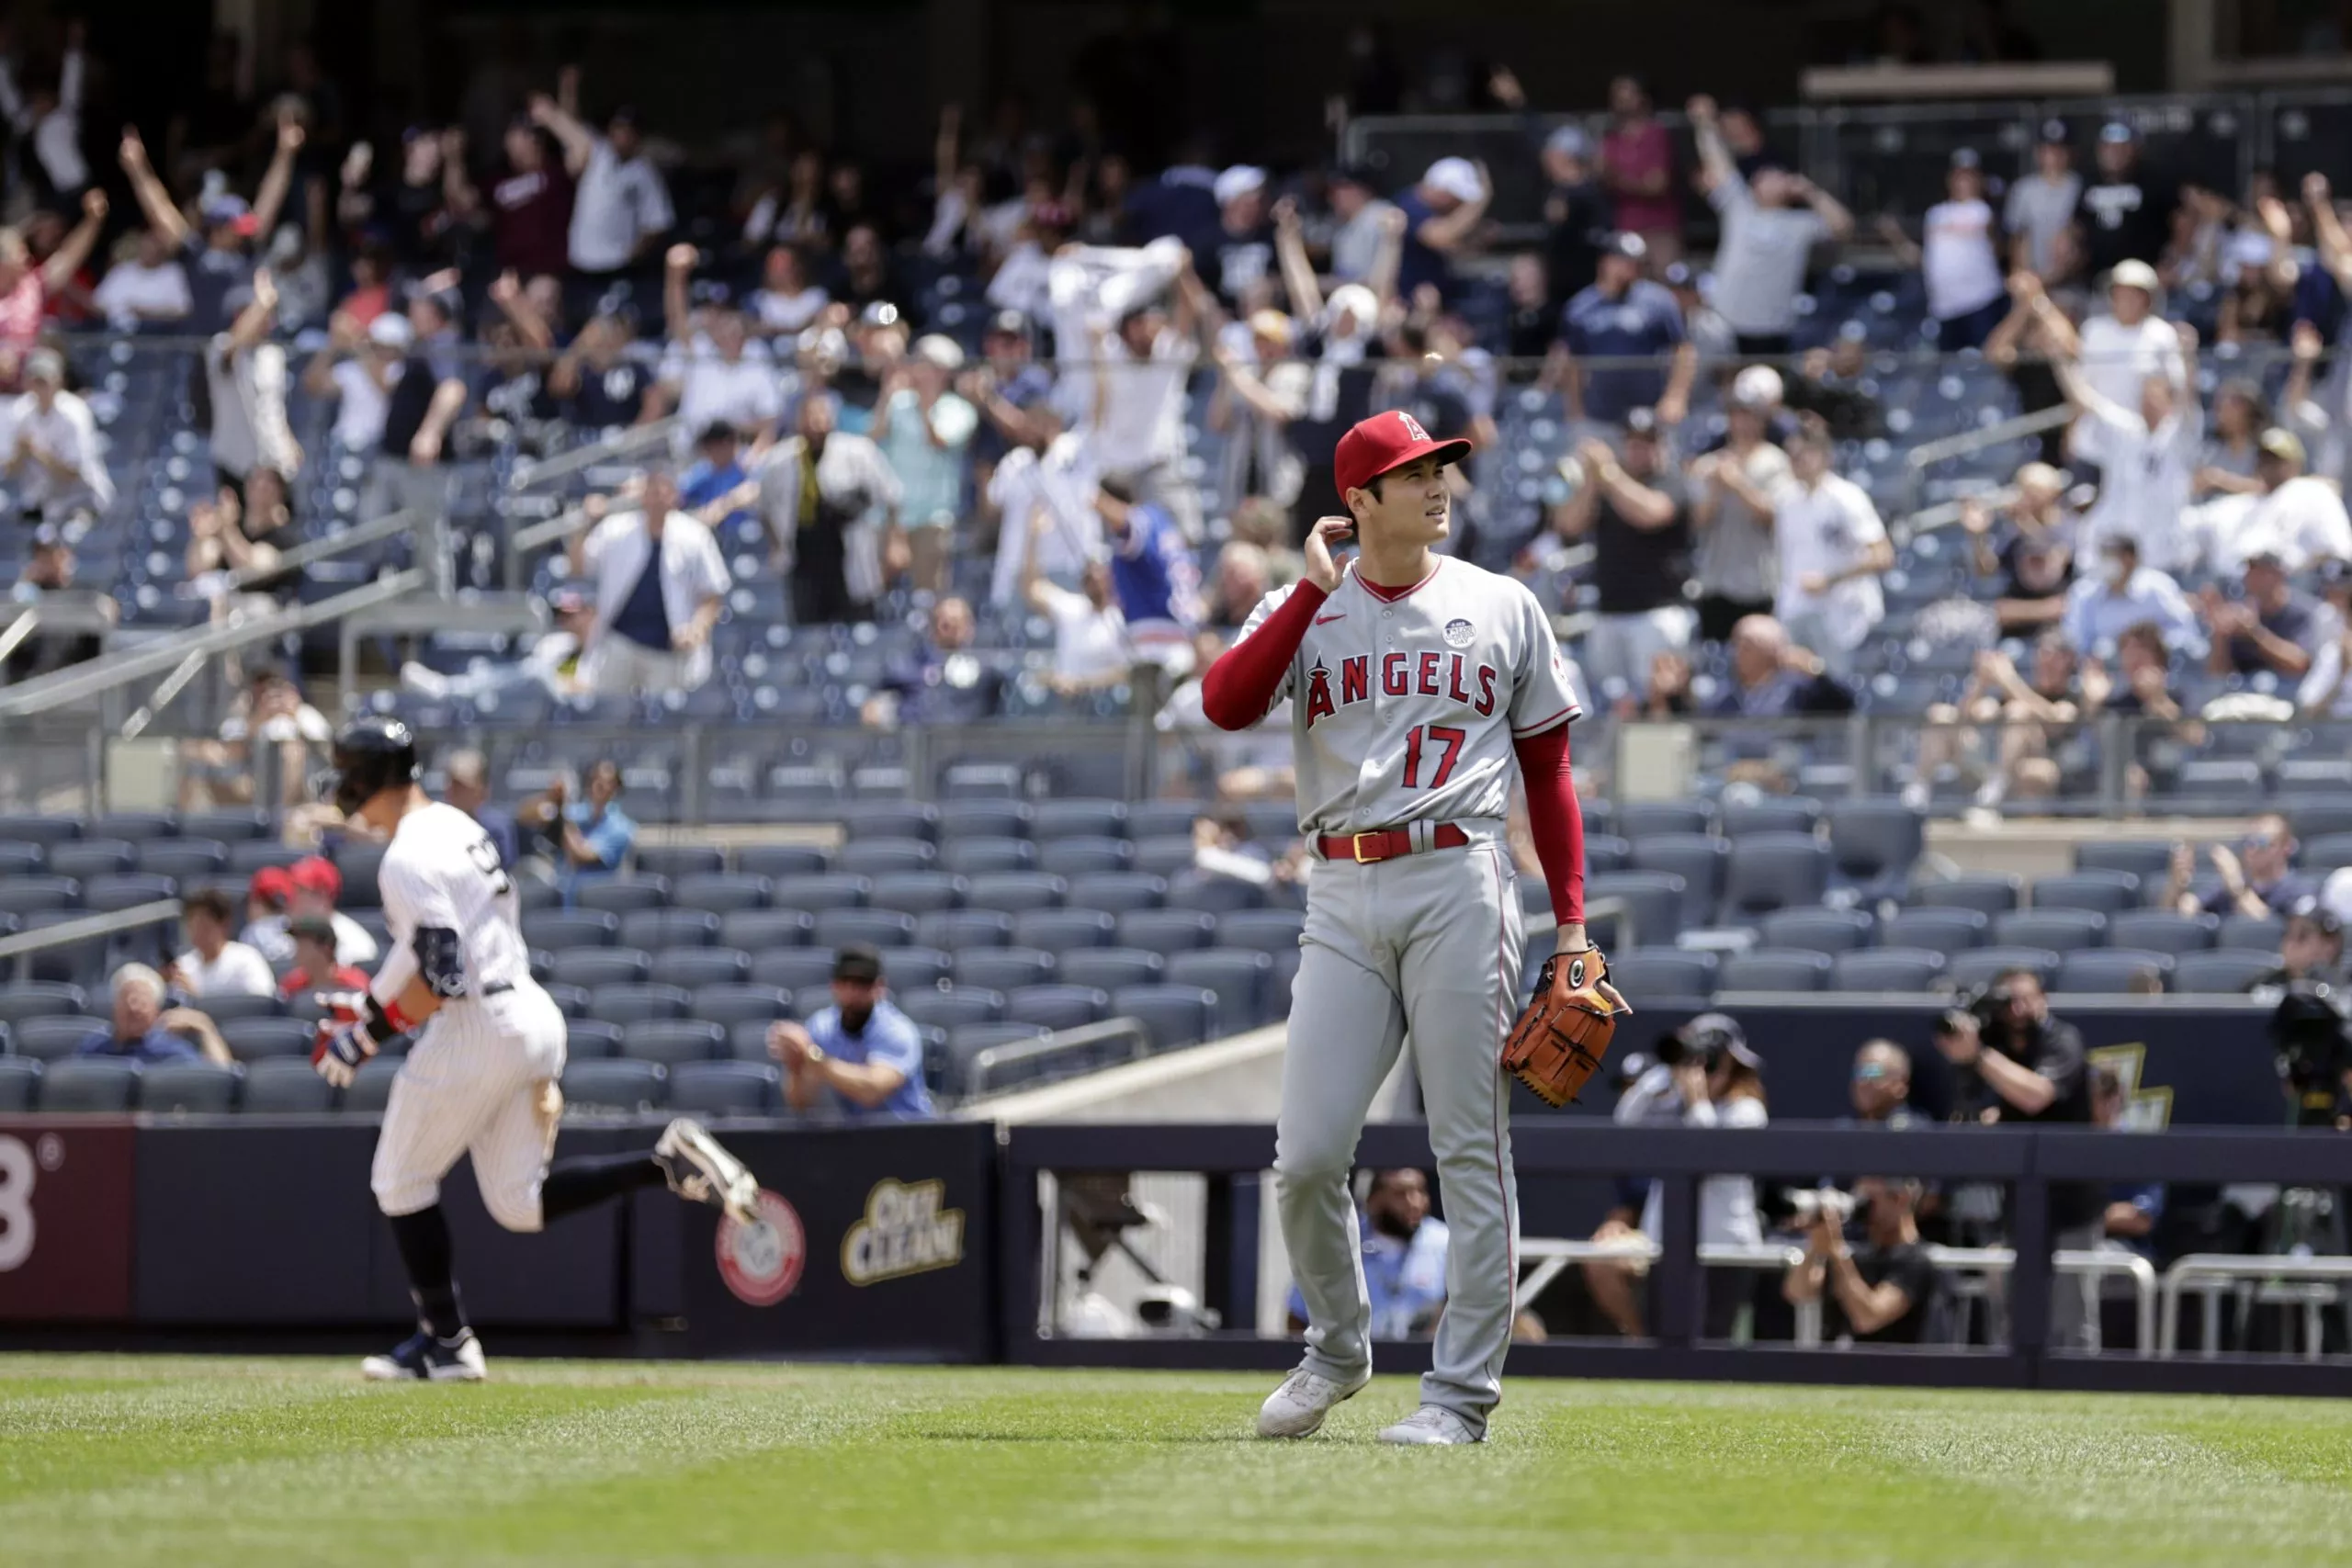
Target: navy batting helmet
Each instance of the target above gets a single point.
(373, 753)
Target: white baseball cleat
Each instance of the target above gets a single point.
(702, 1171)
(1429, 1426)
(1296, 1409)
(421, 1358)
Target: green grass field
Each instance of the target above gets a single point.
(127, 1460)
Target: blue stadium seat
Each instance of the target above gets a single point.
(876, 857)
(1118, 891)
(1004, 968)
(570, 1000)
(2219, 972)
(1886, 969)
(39, 999)
(1165, 819)
(188, 861)
(2163, 931)
(200, 1088)
(1653, 972)
(1058, 930)
(247, 856)
(1265, 931)
(1819, 931)
(1239, 978)
(2103, 892)
(235, 824)
(20, 1084)
(761, 930)
(728, 1003)
(727, 1088)
(1944, 931)
(1173, 1015)
(1015, 891)
(554, 929)
(106, 894)
(371, 1088)
(955, 930)
(627, 1004)
(86, 858)
(252, 1039)
(1769, 870)
(1771, 814)
(920, 892)
(981, 819)
(2111, 968)
(723, 893)
(1874, 844)
(911, 968)
(1653, 900)
(623, 895)
(1995, 893)
(777, 861)
(29, 894)
(136, 827)
(694, 967)
(789, 968)
(882, 928)
(1775, 969)
(967, 1041)
(947, 1009)
(89, 1084)
(2149, 859)
(1978, 966)
(980, 857)
(679, 861)
(1073, 856)
(1167, 856)
(1604, 851)
(817, 893)
(360, 864)
(285, 1086)
(1056, 1007)
(1214, 895)
(21, 859)
(654, 930)
(866, 819)
(622, 1086)
(48, 829)
(52, 1038)
(2058, 929)
(1077, 817)
(671, 1040)
(2325, 853)
(222, 1008)
(591, 1039)
(1108, 968)
(1170, 930)
(595, 966)
(1639, 819)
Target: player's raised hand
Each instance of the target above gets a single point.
(1327, 535)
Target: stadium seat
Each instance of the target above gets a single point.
(190, 862)
(1172, 931)
(136, 827)
(1056, 1007)
(623, 895)
(1118, 891)
(108, 895)
(1769, 870)
(869, 820)
(723, 893)
(20, 859)
(1058, 930)
(360, 864)
(1167, 856)
(285, 1086)
(1241, 980)
(1076, 818)
(555, 929)
(2327, 853)
(1265, 931)
(1654, 971)
(1015, 891)
(1108, 968)
(1164, 818)
(2253, 934)
(879, 857)
(1995, 893)
(591, 1039)
(727, 1088)
(2309, 817)
(1173, 1015)
(53, 1038)
(31, 894)
(1215, 894)
(371, 1088)
(967, 1041)
(910, 968)
(1652, 902)
(761, 930)
(654, 930)
(810, 1000)
(817, 894)
(947, 1009)
(2149, 859)
(40, 999)
(2103, 892)
(255, 1039)
(1874, 844)
(955, 930)
(1077, 855)
(1775, 969)
(1003, 968)
(222, 1008)
(2219, 972)
(694, 967)
(1820, 930)
(595, 966)
(980, 857)
(197, 1089)
(235, 825)
(1604, 852)
(627, 1004)
(981, 819)
(730, 1003)
(625, 1085)
(572, 1000)
(1942, 929)
(881, 928)
(2163, 931)
(789, 968)
(247, 856)
(1902, 969)
(920, 892)
(20, 1084)
(678, 862)
(86, 858)
(1983, 965)
(671, 1040)
(2102, 969)
(2061, 931)
(46, 828)
(1771, 814)
(777, 861)
(1639, 819)
(89, 1084)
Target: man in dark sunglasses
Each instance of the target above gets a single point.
(2257, 878)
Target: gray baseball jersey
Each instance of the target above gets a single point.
(480, 1077)
(1405, 706)
(1406, 702)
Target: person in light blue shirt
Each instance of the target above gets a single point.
(861, 1057)
(718, 488)
(2121, 594)
(590, 839)
(1403, 1257)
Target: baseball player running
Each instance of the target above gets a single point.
(1413, 680)
(482, 1078)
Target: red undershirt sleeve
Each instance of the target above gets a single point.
(1240, 686)
(1555, 820)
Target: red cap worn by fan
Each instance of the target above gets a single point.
(1386, 441)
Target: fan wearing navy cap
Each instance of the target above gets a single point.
(1624, 317)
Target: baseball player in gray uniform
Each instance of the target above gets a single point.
(1414, 680)
(482, 1077)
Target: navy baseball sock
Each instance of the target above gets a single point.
(423, 1240)
(586, 1179)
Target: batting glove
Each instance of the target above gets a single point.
(356, 1028)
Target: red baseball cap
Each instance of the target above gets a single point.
(315, 874)
(1388, 441)
(274, 882)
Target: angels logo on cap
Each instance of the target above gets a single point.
(1385, 442)
(1413, 431)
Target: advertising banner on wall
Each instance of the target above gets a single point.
(65, 1218)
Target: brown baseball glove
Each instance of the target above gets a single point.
(1559, 1040)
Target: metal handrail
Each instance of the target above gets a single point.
(1065, 1042)
(2233, 1267)
(46, 692)
(351, 538)
(656, 433)
(2097, 1262)
(19, 949)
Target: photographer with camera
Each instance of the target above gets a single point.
(1880, 1293)
(1706, 1076)
(2012, 1062)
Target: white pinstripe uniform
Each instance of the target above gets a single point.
(480, 1078)
(1405, 706)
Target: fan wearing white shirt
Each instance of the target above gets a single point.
(621, 205)
(145, 284)
(786, 302)
(2120, 350)
(2147, 452)
(661, 583)
(716, 376)
(1090, 647)
(215, 966)
(1960, 259)
(1057, 485)
(51, 458)
(50, 119)
(356, 370)
(1833, 549)
(2298, 518)
(1129, 409)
